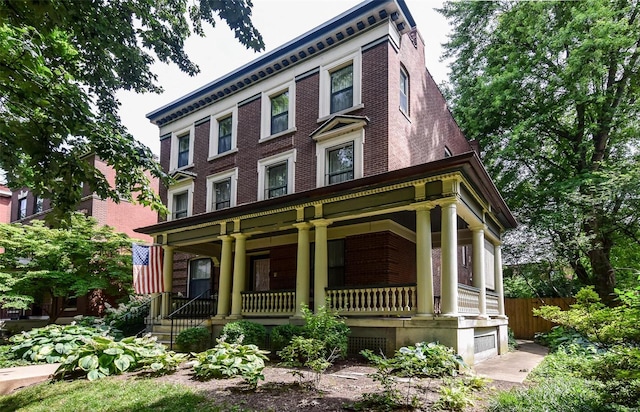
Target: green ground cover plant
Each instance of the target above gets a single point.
(231, 359)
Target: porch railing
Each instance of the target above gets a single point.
(468, 300)
(273, 302)
(190, 314)
(374, 300)
(492, 304)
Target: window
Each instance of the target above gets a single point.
(278, 108)
(182, 148)
(340, 163)
(180, 205)
(404, 91)
(342, 89)
(200, 278)
(223, 132)
(37, 205)
(335, 262)
(180, 199)
(276, 175)
(22, 208)
(221, 190)
(340, 86)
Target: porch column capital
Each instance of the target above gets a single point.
(423, 206)
(478, 227)
(321, 222)
(240, 236)
(303, 226)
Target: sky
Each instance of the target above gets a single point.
(279, 21)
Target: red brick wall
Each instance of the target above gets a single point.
(307, 106)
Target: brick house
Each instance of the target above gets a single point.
(331, 169)
(5, 204)
(124, 217)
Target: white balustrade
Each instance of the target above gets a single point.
(268, 303)
(371, 301)
(492, 304)
(468, 300)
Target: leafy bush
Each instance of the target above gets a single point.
(454, 396)
(562, 336)
(194, 339)
(282, 335)
(327, 327)
(308, 353)
(228, 360)
(102, 356)
(619, 370)
(53, 343)
(8, 360)
(423, 360)
(558, 394)
(254, 333)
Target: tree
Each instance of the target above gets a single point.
(62, 262)
(61, 64)
(550, 90)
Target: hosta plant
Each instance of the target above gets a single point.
(101, 356)
(228, 360)
(52, 343)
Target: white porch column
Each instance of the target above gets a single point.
(167, 279)
(321, 265)
(479, 276)
(224, 285)
(303, 277)
(449, 240)
(424, 263)
(239, 274)
(497, 262)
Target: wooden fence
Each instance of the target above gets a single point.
(521, 319)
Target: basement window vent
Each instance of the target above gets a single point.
(484, 343)
(357, 344)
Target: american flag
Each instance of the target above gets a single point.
(147, 269)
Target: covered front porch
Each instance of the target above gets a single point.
(405, 256)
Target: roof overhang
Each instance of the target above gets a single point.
(324, 37)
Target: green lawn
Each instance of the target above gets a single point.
(107, 395)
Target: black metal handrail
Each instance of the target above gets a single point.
(185, 317)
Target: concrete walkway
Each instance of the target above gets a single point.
(14, 378)
(513, 366)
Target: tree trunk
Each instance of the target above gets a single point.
(604, 278)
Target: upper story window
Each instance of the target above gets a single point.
(222, 190)
(340, 163)
(404, 91)
(276, 175)
(22, 208)
(180, 200)
(38, 204)
(278, 111)
(341, 89)
(182, 148)
(223, 133)
(341, 85)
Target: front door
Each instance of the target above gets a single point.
(200, 278)
(260, 270)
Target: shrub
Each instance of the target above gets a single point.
(282, 335)
(454, 396)
(254, 333)
(327, 327)
(228, 360)
(102, 356)
(427, 360)
(53, 343)
(619, 370)
(308, 353)
(194, 339)
(562, 336)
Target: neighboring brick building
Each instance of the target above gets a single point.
(332, 168)
(124, 217)
(5, 204)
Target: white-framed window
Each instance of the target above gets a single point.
(22, 208)
(278, 111)
(341, 85)
(180, 200)
(182, 148)
(339, 158)
(222, 190)
(276, 175)
(404, 91)
(224, 131)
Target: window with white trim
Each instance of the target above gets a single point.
(341, 85)
(222, 190)
(339, 158)
(182, 148)
(404, 91)
(276, 175)
(180, 200)
(224, 129)
(278, 111)
(22, 208)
